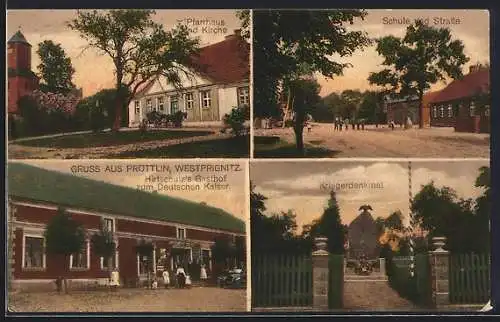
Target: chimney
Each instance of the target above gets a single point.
(236, 33)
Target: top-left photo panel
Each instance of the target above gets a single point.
(93, 84)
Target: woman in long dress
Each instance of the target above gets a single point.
(166, 278)
(203, 272)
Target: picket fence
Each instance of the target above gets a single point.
(470, 278)
(280, 280)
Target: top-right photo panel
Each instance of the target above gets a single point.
(371, 83)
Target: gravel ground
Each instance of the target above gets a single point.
(399, 143)
(198, 299)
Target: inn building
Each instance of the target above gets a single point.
(181, 232)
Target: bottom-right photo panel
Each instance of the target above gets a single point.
(349, 236)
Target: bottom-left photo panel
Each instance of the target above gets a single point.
(127, 236)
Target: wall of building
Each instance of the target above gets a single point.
(31, 220)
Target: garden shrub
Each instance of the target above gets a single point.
(235, 120)
(177, 118)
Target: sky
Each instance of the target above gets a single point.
(234, 200)
(93, 70)
(470, 26)
(304, 186)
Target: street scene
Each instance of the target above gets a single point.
(404, 83)
(169, 84)
(136, 235)
(370, 236)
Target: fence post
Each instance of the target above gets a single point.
(320, 259)
(439, 259)
(382, 266)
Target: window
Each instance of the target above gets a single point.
(206, 99)
(434, 111)
(82, 259)
(450, 111)
(149, 105)
(159, 102)
(189, 101)
(441, 111)
(137, 107)
(486, 110)
(472, 109)
(181, 233)
(174, 104)
(243, 96)
(109, 224)
(114, 262)
(34, 255)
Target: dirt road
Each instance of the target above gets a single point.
(399, 143)
(198, 299)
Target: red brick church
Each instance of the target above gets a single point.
(21, 79)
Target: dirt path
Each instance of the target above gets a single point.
(383, 142)
(26, 152)
(200, 299)
(371, 294)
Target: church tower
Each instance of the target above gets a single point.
(22, 81)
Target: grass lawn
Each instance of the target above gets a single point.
(235, 147)
(274, 147)
(90, 140)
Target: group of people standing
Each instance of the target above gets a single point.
(182, 278)
(340, 123)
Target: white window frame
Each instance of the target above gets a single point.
(450, 111)
(88, 260)
(441, 111)
(149, 105)
(160, 103)
(137, 106)
(172, 99)
(472, 109)
(177, 235)
(44, 258)
(204, 99)
(104, 218)
(189, 100)
(246, 95)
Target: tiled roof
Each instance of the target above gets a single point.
(35, 184)
(18, 37)
(429, 97)
(467, 86)
(226, 61)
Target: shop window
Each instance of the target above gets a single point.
(34, 252)
(81, 260)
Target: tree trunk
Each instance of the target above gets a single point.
(421, 110)
(118, 113)
(287, 108)
(299, 131)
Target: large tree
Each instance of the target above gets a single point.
(285, 41)
(139, 48)
(64, 237)
(424, 56)
(55, 68)
(328, 225)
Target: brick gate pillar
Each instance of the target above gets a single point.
(320, 274)
(439, 260)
